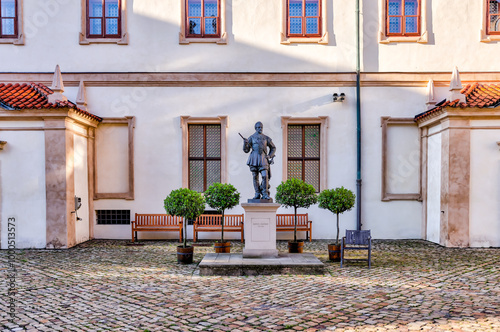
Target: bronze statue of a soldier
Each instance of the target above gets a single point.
(260, 160)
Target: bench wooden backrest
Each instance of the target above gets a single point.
(157, 220)
(288, 219)
(215, 219)
(357, 237)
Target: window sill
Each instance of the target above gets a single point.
(316, 40)
(186, 41)
(16, 41)
(87, 41)
(485, 38)
(423, 39)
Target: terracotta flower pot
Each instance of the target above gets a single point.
(295, 247)
(185, 255)
(222, 247)
(334, 252)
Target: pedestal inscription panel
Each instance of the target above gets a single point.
(260, 230)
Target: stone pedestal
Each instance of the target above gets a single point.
(260, 230)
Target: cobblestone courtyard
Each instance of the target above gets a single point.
(109, 286)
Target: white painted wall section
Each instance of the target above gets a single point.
(22, 186)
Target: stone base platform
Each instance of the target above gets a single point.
(235, 265)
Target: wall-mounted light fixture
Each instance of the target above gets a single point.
(2, 144)
(338, 97)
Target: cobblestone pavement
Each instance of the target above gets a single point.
(109, 286)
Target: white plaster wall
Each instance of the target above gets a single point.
(111, 145)
(81, 187)
(158, 147)
(434, 185)
(484, 226)
(253, 29)
(22, 186)
(454, 40)
(393, 219)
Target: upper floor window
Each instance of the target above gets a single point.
(493, 19)
(203, 18)
(403, 17)
(203, 22)
(104, 21)
(103, 18)
(8, 17)
(304, 18)
(304, 21)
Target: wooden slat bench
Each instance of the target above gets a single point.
(285, 222)
(156, 223)
(212, 223)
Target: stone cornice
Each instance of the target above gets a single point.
(219, 79)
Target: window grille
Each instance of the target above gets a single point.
(113, 217)
(304, 154)
(204, 156)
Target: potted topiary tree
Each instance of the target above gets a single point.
(338, 201)
(297, 194)
(222, 196)
(188, 204)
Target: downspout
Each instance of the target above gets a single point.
(358, 118)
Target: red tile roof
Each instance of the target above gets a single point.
(34, 96)
(476, 94)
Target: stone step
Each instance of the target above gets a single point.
(235, 265)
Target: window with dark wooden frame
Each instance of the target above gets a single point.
(103, 18)
(8, 17)
(493, 18)
(203, 18)
(303, 18)
(304, 154)
(403, 17)
(204, 155)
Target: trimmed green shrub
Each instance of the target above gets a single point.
(185, 203)
(222, 196)
(337, 201)
(297, 194)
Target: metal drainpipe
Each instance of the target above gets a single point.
(358, 117)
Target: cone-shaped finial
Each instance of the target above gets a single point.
(431, 98)
(456, 87)
(81, 97)
(57, 87)
(456, 83)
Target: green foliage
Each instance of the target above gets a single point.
(295, 193)
(338, 200)
(185, 203)
(222, 196)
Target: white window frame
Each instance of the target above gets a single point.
(123, 40)
(291, 40)
(187, 120)
(323, 153)
(384, 39)
(222, 40)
